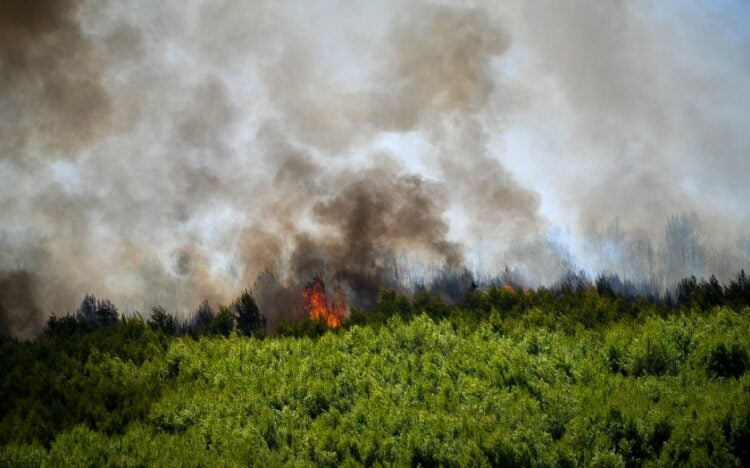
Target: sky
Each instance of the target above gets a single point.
(166, 152)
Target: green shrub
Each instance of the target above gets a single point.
(727, 360)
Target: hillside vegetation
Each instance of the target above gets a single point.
(482, 383)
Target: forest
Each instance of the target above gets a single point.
(374, 233)
(579, 374)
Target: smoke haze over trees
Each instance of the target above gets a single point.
(166, 153)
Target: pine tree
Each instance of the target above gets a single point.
(202, 319)
(161, 320)
(250, 321)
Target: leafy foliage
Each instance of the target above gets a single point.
(104, 378)
(407, 393)
(578, 376)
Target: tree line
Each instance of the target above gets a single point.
(576, 299)
(242, 316)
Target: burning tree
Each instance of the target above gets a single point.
(319, 307)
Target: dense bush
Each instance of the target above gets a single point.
(104, 378)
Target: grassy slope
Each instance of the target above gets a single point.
(507, 393)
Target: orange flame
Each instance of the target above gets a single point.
(318, 305)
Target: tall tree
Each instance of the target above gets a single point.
(250, 321)
(161, 320)
(223, 323)
(96, 313)
(87, 310)
(202, 319)
(106, 313)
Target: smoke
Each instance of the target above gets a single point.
(174, 152)
(19, 312)
(645, 98)
(53, 96)
(373, 216)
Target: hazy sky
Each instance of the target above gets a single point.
(191, 144)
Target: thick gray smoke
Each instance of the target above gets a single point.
(54, 99)
(167, 152)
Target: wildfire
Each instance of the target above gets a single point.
(319, 307)
(509, 288)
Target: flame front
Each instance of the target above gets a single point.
(319, 307)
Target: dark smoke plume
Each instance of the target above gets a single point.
(19, 313)
(53, 97)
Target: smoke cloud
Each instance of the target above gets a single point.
(53, 96)
(166, 153)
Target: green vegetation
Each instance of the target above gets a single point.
(570, 377)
